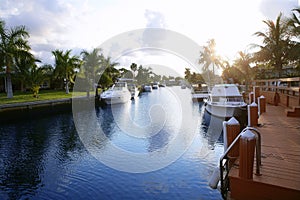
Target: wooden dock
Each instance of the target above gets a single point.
(280, 170)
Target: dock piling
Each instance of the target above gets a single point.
(256, 91)
(261, 104)
(247, 149)
(252, 115)
(251, 97)
(231, 130)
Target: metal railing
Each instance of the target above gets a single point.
(224, 161)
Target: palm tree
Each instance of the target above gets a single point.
(109, 74)
(143, 76)
(187, 74)
(208, 57)
(91, 63)
(24, 62)
(243, 64)
(276, 44)
(133, 67)
(65, 66)
(294, 22)
(12, 42)
(37, 75)
(294, 26)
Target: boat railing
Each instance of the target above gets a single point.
(225, 159)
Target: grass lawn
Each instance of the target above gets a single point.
(43, 95)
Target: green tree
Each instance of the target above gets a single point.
(133, 67)
(208, 57)
(232, 75)
(65, 66)
(91, 67)
(24, 63)
(242, 63)
(197, 78)
(294, 22)
(143, 76)
(187, 74)
(125, 73)
(12, 42)
(275, 48)
(37, 75)
(294, 28)
(109, 74)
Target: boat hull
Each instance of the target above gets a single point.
(225, 111)
(147, 89)
(116, 98)
(239, 112)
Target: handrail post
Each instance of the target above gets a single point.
(258, 148)
(247, 149)
(224, 156)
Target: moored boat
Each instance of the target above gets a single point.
(225, 101)
(118, 93)
(131, 85)
(199, 92)
(155, 86)
(133, 90)
(147, 88)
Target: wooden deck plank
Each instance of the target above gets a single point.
(280, 159)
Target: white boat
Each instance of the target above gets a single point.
(133, 90)
(155, 86)
(147, 88)
(224, 101)
(199, 92)
(118, 93)
(131, 85)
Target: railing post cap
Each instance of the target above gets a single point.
(253, 104)
(233, 121)
(248, 135)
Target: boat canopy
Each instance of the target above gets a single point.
(225, 90)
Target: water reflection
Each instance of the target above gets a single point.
(25, 148)
(45, 158)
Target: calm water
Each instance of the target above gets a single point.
(47, 158)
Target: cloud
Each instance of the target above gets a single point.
(64, 24)
(48, 23)
(154, 19)
(272, 8)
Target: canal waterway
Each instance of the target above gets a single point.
(170, 152)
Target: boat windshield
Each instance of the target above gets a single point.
(227, 99)
(119, 86)
(234, 99)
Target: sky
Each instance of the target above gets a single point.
(86, 24)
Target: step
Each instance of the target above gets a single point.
(294, 112)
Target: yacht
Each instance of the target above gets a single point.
(155, 86)
(200, 92)
(133, 90)
(225, 101)
(118, 93)
(147, 88)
